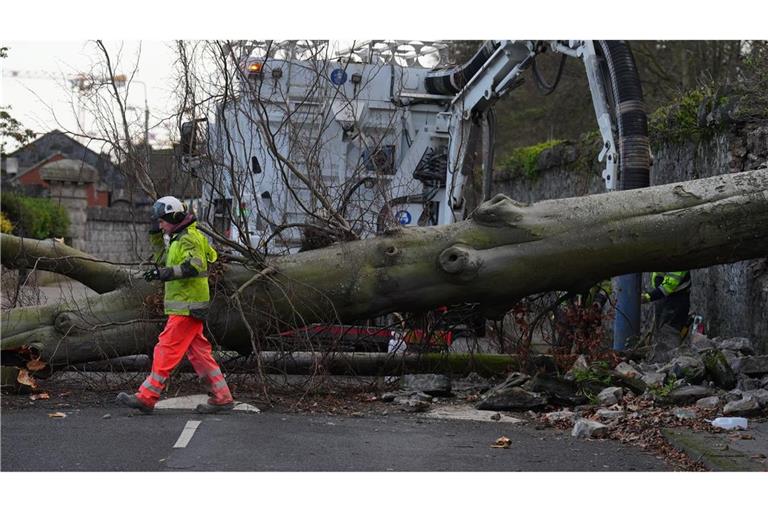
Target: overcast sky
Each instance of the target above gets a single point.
(56, 42)
(42, 104)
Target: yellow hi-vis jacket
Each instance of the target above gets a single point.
(188, 255)
(669, 283)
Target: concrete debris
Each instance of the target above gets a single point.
(745, 407)
(610, 396)
(627, 370)
(561, 415)
(243, 407)
(429, 383)
(753, 366)
(664, 343)
(466, 411)
(685, 367)
(654, 379)
(584, 429)
(761, 395)
(684, 395)
(514, 379)
(700, 343)
(412, 403)
(710, 402)
(472, 383)
(732, 358)
(635, 384)
(684, 414)
(558, 390)
(718, 369)
(743, 345)
(580, 364)
(610, 414)
(509, 399)
(747, 383)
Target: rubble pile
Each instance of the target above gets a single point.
(716, 375)
(713, 376)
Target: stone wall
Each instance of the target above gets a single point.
(117, 234)
(733, 299)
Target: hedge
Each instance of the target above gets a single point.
(34, 217)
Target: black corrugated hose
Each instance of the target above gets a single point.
(631, 118)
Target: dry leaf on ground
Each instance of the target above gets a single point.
(26, 379)
(502, 442)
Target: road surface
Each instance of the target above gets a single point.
(271, 441)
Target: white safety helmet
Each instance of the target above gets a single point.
(169, 209)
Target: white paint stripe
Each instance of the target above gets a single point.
(186, 434)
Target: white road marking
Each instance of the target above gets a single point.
(186, 434)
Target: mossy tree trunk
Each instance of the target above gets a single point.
(503, 253)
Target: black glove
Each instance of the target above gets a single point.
(154, 227)
(158, 274)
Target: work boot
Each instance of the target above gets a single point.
(134, 402)
(212, 407)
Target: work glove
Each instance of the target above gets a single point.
(645, 298)
(158, 274)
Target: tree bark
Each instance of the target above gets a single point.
(503, 253)
(56, 257)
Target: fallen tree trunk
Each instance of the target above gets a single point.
(506, 251)
(57, 257)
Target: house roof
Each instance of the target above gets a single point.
(56, 142)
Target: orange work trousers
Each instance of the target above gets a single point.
(183, 335)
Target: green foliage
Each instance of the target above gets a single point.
(10, 128)
(35, 217)
(692, 117)
(524, 161)
(754, 85)
(665, 390)
(597, 372)
(708, 109)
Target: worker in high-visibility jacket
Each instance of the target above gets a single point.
(182, 257)
(671, 295)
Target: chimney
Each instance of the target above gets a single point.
(12, 166)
